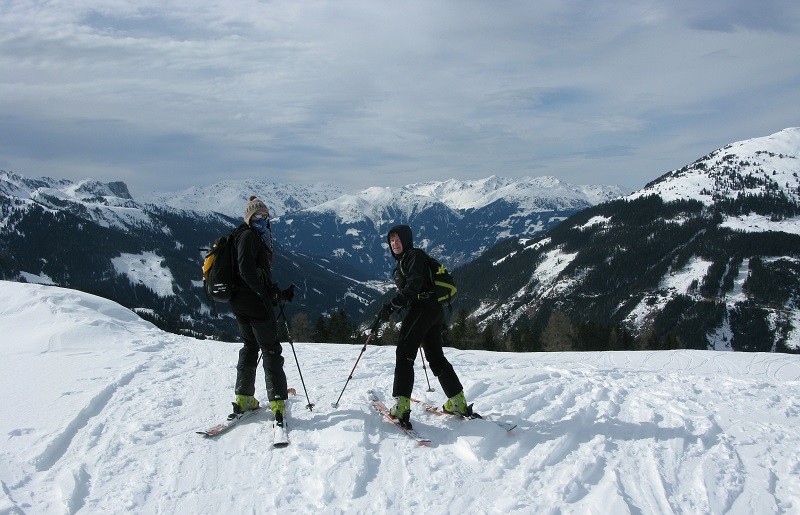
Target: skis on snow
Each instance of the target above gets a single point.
(231, 422)
(436, 410)
(381, 408)
(280, 436)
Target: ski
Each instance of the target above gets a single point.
(225, 426)
(436, 410)
(279, 436)
(381, 408)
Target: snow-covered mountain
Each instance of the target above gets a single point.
(530, 194)
(229, 197)
(94, 237)
(105, 204)
(707, 256)
(145, 254)
(767, 165)
(604, 433)
(456, 220)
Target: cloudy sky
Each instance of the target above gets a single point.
(166, 95)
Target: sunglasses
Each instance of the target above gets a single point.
(259, 216)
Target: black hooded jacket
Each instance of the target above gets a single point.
(252, 292)
(412, 275)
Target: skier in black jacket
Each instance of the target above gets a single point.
(253, 300)
(421, 326)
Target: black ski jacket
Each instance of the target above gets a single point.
(412, 274)
(252, 291)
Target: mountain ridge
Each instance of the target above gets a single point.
(146, 255)
(706, 256)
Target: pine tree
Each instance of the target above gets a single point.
(301, 328)
(321, 333)
(559, 335)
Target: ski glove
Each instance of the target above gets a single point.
(386, 312)
(388, 309)
(288, 293)
(275, 293)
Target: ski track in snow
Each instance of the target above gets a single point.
(616, 432)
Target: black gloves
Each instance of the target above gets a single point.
(385, 312)
(388, 309)
(274, 293)
(279, 295)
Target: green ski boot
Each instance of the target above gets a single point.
(243, 403)
(278, 409)
(246, 402)
(402, 410)
(458, 404)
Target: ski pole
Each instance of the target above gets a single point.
(310, 406)
(430, 389)
(364, 348)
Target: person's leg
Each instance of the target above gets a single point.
(442, 369)
(248, 359)
(412, 330)
(266, 334)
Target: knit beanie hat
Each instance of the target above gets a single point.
(255, 204)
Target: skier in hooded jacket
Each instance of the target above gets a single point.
(421, 326)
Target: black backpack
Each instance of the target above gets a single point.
(444, 287)
(219, 268)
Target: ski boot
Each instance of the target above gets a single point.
(457, 404)
(402, 411)
(278, 409)
(243, 403)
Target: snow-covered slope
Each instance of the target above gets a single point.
(741, 168)
(100, 408)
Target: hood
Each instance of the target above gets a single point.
(406, 238)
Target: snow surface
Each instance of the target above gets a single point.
(100, 411)
(146, 269)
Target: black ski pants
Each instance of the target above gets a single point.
(422, 326)
(260, 334)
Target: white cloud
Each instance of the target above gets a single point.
(186, 93)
